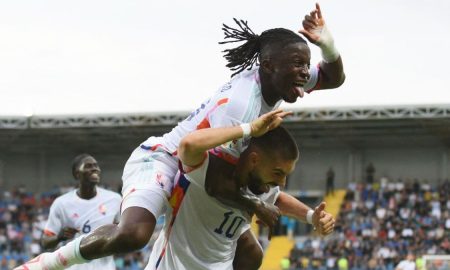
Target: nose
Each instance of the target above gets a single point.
(304, 72)
(282, 183)
(96, 168)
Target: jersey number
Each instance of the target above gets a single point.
(231, 227)
(86, 227)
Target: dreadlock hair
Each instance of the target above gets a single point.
(277, 142)
(247, 54)
(76, 162)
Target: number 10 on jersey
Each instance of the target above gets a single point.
(230, 224)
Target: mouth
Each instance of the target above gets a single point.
(95, 176)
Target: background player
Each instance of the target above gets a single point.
(82, 210)
(283, 75)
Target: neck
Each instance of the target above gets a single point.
(241, 175)
(87, 191)
(267, 90)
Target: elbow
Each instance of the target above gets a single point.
(187, 145)
(340, 81)
(336, 82)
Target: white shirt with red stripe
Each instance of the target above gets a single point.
(200, 232)
(69, 210)
(238, 101)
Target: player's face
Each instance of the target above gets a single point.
(291, 71)
(269, 173)
(89, 171)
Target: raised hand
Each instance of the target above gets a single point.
(317, 32)
(323, 221)
(313, 26)
(267, 122)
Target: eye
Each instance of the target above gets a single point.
(278, 174)
(299, 64)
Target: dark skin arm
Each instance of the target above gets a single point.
(221, 185)
(50, 242)
(331, 74)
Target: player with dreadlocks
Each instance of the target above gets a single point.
(283, 74)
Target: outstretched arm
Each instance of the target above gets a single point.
(193, 146)
(319, 218)
(331, 68)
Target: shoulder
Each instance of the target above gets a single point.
(241, 94)
(64, 198)
(108, 193)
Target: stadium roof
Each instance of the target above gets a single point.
(355, 127)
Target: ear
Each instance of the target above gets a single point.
(253, 159)
(267, 66)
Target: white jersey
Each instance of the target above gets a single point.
(69, 210)
(200, 232)
(238, 101)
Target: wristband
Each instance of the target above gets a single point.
(326, 43)
(246, 129)
(309, 216)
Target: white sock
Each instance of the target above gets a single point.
(64, 256)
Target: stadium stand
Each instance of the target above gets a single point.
(22, 218)
(401, 141)
(379, 224)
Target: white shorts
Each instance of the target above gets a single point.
(148, 178)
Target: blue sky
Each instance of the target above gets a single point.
(88, 57)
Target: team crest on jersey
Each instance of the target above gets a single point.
(102, 209)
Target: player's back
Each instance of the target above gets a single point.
(238, 101)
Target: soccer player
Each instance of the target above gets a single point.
(82, 210)
(201, 232)
(284, 74)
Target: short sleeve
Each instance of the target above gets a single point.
(54, 222)
(313, 79)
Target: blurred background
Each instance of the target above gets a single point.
(100, 77)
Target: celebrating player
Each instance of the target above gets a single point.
(283, 74)
(82, 210)
(201, 232)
